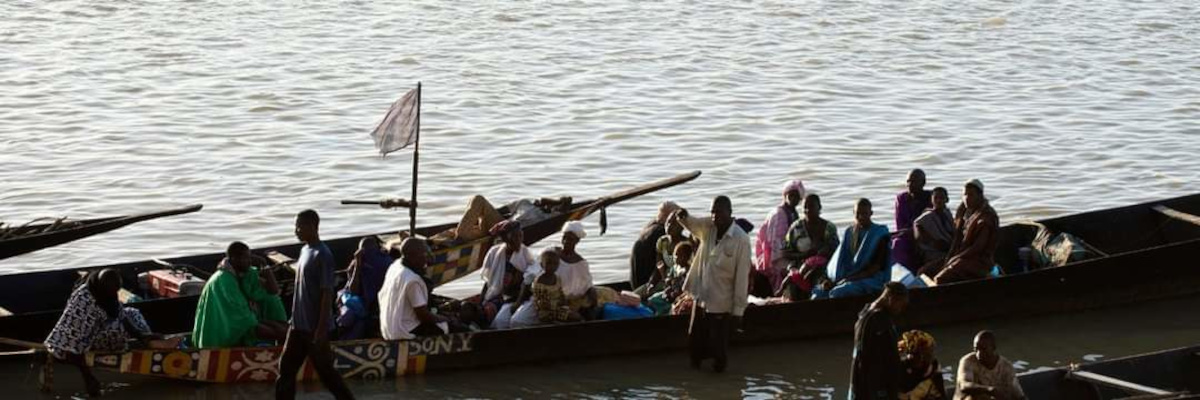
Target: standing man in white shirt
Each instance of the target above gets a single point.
(404, 297)
(718, 281)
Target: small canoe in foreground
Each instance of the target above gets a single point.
(1154, 254)
(30, 238)
(1169, 374)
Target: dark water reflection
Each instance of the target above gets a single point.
(790, 370)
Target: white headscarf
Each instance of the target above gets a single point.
(576, 228)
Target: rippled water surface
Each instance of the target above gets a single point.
(261, 109)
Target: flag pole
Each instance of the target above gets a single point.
(412, 212)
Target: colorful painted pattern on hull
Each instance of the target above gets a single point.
(456, 262)
(358, 359)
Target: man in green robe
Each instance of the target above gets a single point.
(240, 306)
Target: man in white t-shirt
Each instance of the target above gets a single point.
(404, 297)
(985, 374)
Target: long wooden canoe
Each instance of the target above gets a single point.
(1168, 374)
(30, 238)
(35, 299)
(1150, 255)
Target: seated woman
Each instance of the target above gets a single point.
(507, 267)
(811, 240)
(358, 305)
(95, 320)
(862, 263)
(934, 231)
(922, 377)
(240, 303)
(575, 273)
(771, 260)
(672, 285)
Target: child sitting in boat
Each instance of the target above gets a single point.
(672, 283)
(548, 298)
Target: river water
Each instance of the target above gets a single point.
(261, 109)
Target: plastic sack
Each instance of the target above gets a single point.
(906, 277)
(612, 311)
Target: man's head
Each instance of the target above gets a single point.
(940, 198)
(862, 213)
(307, 222)
(916, 181)
(683, 254)
(812, 207)
(793, 192)
(894, 297)
(414, 253)
(238, 254)
(722, 212)
(985, 348)
(973, 194)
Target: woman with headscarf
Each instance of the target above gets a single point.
(770, 261)
(576, 274)
(95, 320)
(574, 270)
(922, 376)
(507, 267)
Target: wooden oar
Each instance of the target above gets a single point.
(167, 213)
(21, 343)
(602, 203)
(385, 203)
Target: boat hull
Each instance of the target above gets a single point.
(1176, 370)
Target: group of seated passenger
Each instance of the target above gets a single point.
(798, 256)
(807, 260)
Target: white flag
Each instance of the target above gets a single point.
(399, 127)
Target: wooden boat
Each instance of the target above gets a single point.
(1168, 374)
(34, 300)
(1150, 254)
(29, 238)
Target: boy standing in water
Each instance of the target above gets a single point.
(312, 315)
